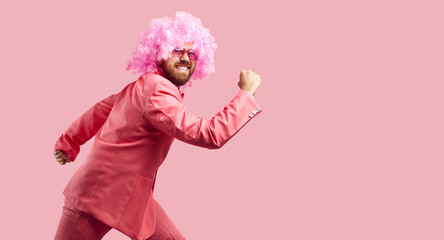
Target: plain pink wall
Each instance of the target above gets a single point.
(349, 144)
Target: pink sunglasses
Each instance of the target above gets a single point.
(180, 52)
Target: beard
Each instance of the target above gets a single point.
(176, 76)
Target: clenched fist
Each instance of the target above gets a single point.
(249, 81)
(61, 157)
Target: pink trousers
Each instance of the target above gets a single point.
(77, 225)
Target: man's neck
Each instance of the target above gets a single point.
(160, 72)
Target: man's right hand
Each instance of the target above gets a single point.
(61, 157)
(249, 81)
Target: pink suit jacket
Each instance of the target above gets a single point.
(134, 130)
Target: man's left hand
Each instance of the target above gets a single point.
(61, 157)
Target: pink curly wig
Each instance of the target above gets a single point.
(163, 35)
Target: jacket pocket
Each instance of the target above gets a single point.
(146, 175)
(138, 218)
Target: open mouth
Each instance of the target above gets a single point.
(182, 68)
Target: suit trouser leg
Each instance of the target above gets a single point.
(77, 225)
(165, 228)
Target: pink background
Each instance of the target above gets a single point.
(349, 144)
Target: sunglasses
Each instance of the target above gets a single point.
(180, 52)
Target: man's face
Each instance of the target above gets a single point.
(178, 69)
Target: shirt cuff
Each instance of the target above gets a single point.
(248, 93)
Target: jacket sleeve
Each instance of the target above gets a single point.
(84, 127)
(165, 110)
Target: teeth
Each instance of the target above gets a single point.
(182, 68)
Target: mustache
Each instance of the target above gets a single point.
(183, 63)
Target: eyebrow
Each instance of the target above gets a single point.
(185, 48)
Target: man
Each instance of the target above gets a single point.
(135, 128)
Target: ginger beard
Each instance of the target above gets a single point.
(179, 69)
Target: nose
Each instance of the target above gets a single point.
(185, 57)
